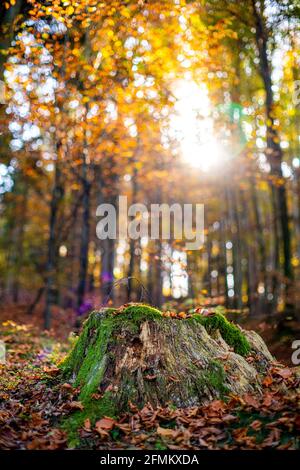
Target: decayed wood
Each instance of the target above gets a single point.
(162, 361)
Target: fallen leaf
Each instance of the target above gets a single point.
(165, 432)
(284, 373)
(256, 425)
(150, 377)
(217, 405)
(173, 379)
(251, 401)
(267, 381)
(105, 424)
(87, 425)
(76, 405)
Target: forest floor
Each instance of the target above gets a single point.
(33, 403)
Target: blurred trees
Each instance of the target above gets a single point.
(91, 94)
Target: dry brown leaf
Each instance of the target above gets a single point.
(75, 405)
(105, 424)
(87, 425)
(284, 373)
(165, 432)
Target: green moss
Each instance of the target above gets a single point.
(91, 361)
(215, 377)
(87, 363)
(229, 332)
(94, 410)
(141, 312)
(88, 358)
(212, 378)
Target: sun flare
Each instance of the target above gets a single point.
(193, 126)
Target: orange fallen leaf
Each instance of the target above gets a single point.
(165, 432)
(284, 373)
(217, 405)
(150, 377)
(166, 314)
(256, 425)
(125, 427)
(76, 405)
(105, 424)
(173, 379)
(96, 396)
(251, 400)
(87, 425)
(67, 386)
(182, 315)
(267, 381)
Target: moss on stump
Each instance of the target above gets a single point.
(137, 355)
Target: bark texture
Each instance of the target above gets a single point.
(137, 355)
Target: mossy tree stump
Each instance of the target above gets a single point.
(137, 355)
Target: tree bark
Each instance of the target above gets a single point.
(85, 233)
(274, 151)
(51, 266)
(7, 18)
(136, 355)
(132, 243)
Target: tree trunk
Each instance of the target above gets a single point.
(158, 281)
(132, 243)
(208, 280)
(237, 251)
(135, 355)
(85, 234)
(107, 268)
(19, 246)
(223, 266)
(51, 288)
(15, 232)
(274, 151)
(7, 18)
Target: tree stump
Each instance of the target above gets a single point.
(137, 355)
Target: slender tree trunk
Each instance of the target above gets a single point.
(107, 268)
(192, 267)
(7, 18)
(15, 232)
(260, 240)
(150, 272)
(237, 252)
(262, 254)
(223, 237)
(275, 252)
(51, 288)
(208, 282)
(236, 249)
(19, 246)
(108, 247)
(85, 233)
(158, 294)
(36, 300)
(132, 243)
(274, 151)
